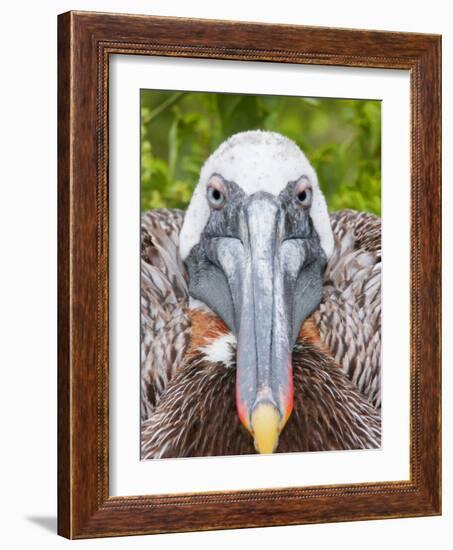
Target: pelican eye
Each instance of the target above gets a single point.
(216, 196)
(303, 193)
(302, 196)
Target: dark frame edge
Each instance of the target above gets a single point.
(431, 63)
(64, 523)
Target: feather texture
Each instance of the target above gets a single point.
(349, 316)
(329, 412)
(349, 322)
(165, 324)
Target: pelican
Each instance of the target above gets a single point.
(260, 311)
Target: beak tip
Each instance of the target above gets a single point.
(265, 421)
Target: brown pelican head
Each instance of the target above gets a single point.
(255, 241)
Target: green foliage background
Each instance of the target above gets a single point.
(179, 130)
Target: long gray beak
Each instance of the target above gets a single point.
(263, 270)
(259, 266)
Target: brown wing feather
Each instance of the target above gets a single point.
(349, 317)
(165, 325)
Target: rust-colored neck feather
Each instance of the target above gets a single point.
(207, 327)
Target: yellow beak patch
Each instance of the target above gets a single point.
(265, 422)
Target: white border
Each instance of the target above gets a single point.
(129, 475)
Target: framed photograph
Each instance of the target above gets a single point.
(249, 275)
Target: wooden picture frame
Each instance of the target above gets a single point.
(85, 42)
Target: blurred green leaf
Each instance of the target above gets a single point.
(341, 138)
